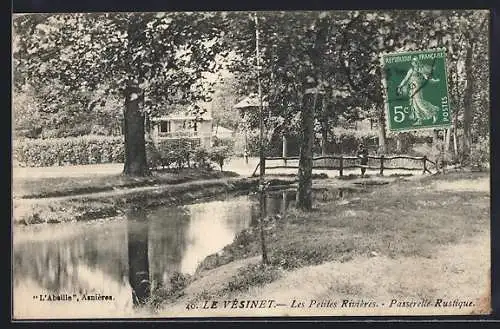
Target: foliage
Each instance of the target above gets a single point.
(97, 54)
(183, 153)
(220, 154)
(27, 118)
(161, 295)
(35, 119)
(293, 258)
(201, 157)
(167, 52)
(252, 275)
(70, 63)
(480, 153)
(223, 100)
(226, 141)
(349, 73)
(348, 140)
(68, 151)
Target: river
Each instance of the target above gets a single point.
(109, 257)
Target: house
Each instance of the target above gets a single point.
(221, 132)
(182, 124)
(250, 103)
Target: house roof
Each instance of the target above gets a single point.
(183, 115)
(251, 101)
(221, 130)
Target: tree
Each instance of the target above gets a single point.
(472, 34)
(223, 100)
(150, 60)
(295, 50)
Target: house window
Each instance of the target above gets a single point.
(165, 126)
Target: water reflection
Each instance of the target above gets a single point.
(138, 260)
(123, 258)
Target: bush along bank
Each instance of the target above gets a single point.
(68, 151)
(93, 149)
(80, 208)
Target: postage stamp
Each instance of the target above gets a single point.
(416, 90)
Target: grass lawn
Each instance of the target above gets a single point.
(43, 187)
(413, 219)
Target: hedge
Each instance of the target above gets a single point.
(92, 149)
(182, 153)
(68, 151)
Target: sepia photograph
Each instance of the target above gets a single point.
(250, 164)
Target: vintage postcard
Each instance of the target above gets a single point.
(278, 163)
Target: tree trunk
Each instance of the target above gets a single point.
(310, 101)
(262, 217)
(284, 148)
(324, 128)
(137, 234)
(469, 89)
(455, 137)
(447, 140)
(135, 144)
(381, 133)
(304, 191)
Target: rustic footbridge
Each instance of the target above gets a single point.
(342, 162)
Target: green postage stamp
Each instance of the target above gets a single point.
(416, 90)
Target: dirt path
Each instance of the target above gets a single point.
(124, 191)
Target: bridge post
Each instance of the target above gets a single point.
(284, 150)
(341, 166)
(382, 165)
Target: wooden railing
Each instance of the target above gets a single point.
(349, 162)
(182, 134)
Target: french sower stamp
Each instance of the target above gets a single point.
(416, 90)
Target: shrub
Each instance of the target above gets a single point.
(348, 140)
(229, 142)
(293, 257)
(480, 153)
(104, 149)
(252, 275)
(68, 151)
(153, 156)
(177, 152)
(201, 157)
(220, 155)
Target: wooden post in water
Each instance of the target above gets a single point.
(284, 149)
(341, 166)
(382, 165)
(283, 201)
(262, 216)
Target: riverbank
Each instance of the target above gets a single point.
(399, 238)
(47, 187)
(100, 195)
(102, 205)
